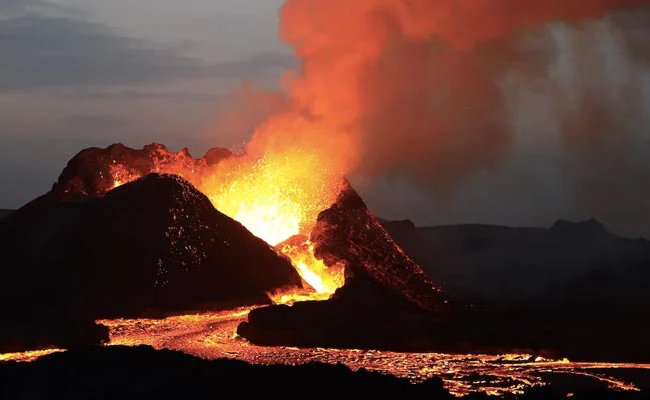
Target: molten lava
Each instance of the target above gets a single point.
(276, 196)
(323, 279)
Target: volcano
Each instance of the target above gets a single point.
(90, 249)
(128, 232)
(387, 302)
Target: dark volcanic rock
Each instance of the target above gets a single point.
(348, 232)
(141, 372)
(386, 303)
(151, 246)
(360, 315)
(117, 372)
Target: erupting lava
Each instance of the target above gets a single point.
(325, 280)
(277, 196)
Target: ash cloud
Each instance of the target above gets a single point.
(424, 91)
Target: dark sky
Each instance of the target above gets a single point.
(79, 73)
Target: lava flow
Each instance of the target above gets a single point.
(277, 196)
(212, 336)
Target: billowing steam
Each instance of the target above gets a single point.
(420, 88)
(602, 106)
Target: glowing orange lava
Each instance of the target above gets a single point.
(276, 196)
(322, 278)
(26, 356)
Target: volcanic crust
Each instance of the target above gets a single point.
(149, 247)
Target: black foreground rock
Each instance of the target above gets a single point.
(117, 372)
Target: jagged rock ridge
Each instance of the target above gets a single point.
(348, 232)
(387, 301)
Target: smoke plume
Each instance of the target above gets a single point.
(415, 88)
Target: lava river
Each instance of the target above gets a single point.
(212, 335)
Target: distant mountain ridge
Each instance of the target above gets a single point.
(504, 263)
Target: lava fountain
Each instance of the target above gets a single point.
(275, 195)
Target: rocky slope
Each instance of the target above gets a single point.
(387, 301)
(156, 245)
